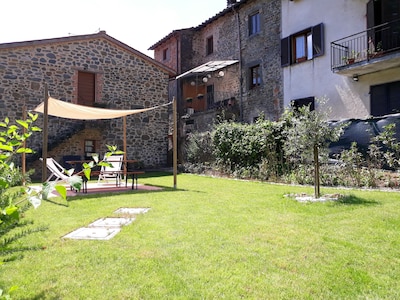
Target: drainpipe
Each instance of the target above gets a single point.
(240, 65)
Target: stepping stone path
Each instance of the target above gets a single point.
(107, 228)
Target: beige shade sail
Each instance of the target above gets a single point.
(68, 110)
(62, 109)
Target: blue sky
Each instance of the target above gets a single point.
(137, 23)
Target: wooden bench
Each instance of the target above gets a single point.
(134, 175)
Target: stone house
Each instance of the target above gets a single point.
(94, 70)
(349, 54)
(227, 66)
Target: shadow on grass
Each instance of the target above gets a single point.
(128, 192)
(152, 174)
(354, 200)
(38, 296)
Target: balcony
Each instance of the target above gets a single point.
(373, 50)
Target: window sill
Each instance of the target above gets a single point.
(254, 34)
(301, 59)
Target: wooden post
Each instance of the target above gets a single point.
(316, 172)
(125, 149)
(175, 141)
(23, 158)
(45, 133)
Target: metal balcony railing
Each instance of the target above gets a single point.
(369, 44)
(220, 99)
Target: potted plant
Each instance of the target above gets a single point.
(351, 58)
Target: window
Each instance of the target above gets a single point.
(385, 99)
(86, 88)
(304, 45)
(254, 23)
(380, 12)
(166, 54)
(89, 148)
(255, 76)
(210, 45)
(297, 103)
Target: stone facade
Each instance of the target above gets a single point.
(124, 79)
(229, 30)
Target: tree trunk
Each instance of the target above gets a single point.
(316, 172)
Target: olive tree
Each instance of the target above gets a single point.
(308, 135)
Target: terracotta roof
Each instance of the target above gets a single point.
(205, 23)
(99, 35)
(169, 36)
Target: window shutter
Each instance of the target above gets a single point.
(318, 40)
(285, 51)
(86, 88)
(370, 14)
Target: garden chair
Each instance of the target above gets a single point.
(113, 171)
(57, 171)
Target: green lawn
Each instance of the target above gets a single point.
(216, 238)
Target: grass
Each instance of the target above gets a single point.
(216, 238)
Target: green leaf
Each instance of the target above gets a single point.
(12, 211)
(87, 173)
(95, 157)
(6, 147)
(36, 129)
(24, 150)
(62, 190)
(46, 190)
(69, 172)
(23, 123)
(76, 182)
(33, 116)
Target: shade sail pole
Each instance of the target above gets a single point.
(45, 132)
(125, 149)
(175, 140)
(23, 158)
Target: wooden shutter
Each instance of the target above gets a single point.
(394, 97)
(318, 40)
(390, 10)
(370, 14)
(86, 88)
(285, 52)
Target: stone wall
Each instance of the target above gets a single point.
(230, 32)
(262, 49)
(125, 79)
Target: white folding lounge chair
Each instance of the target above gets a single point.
(57, 171)
(113, 171)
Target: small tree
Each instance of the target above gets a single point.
(14, 199)
(308, 135)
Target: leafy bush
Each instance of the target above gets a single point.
(241, 147)
(199, 148)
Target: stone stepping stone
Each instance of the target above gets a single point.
(131, 210)
(93, 233)
(111, 222)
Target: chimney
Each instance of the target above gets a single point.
(231, 2)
